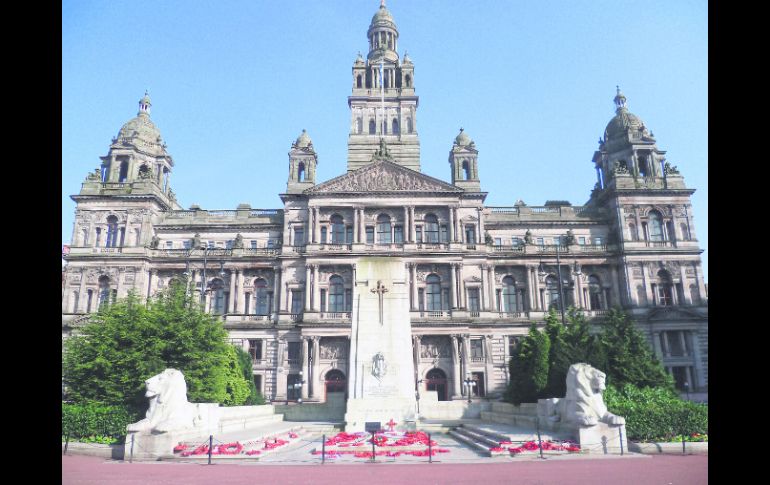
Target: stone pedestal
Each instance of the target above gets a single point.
(381, 383)
(602, 438)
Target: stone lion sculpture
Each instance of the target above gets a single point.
(169, 408)
(584, 402)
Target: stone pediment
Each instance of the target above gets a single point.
(673, 313)
(383, 176)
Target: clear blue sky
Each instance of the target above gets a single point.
(233, 83)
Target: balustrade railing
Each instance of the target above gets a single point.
(474, 314)
(294, 361)
(477, 359)
(544, 210)
(510, 314)
(108, 250)
(432, 246)
(504, 210)
(222, 213)
(263, 212)
(435, 314)
(659, 244)
(299, 249)
(260, 251)
(335, 316)
(508, 249)
(296, 317)
(336, 247)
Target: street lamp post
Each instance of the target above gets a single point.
(297, 386)
(561, 290)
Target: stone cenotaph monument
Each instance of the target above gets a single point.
(381, 385)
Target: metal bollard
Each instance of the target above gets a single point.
(683, 451)
(620, 432)
(323, 449)
(131, 455)
(66, 442)
(211, 442)
(373, 452)
(430, 450)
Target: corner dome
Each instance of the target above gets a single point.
(303, 141)
(463, 139)
(625, 122)
(383, 16)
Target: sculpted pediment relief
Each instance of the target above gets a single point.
(383, 176)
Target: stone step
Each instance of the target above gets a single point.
(506, 418)
(478, 437)
(481, 449)
(493, 435)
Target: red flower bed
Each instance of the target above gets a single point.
(228, 449)
(180, 447)
(547, 446)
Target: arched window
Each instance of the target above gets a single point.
(509, 295)
(431, 228)
(632, 231)
(359, 125)
(656, 226)
(408, 80)
(552, 290)
(409, 127)
(338, 229)
(435, 380)
(395, 130)
(466, 170)
(664, 289)
(218, 296)
(383, 229)
(112, 232)
(301, 172)
(166, 173)
(260, 289)
(595, 292)
(372, 127)
(144, 171)
(643, 168)
(335, 381)
(433, 293)
(358, 81)
(104, 290)
(123, 172)
(336, 294)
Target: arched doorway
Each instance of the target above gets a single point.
(335, 381)
(435, 380)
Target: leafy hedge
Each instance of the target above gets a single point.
(656, 414)
(95, 422)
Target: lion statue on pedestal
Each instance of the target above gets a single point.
(169, 408)
(583, 405)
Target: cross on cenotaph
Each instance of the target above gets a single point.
(380, 290)
(391, 424)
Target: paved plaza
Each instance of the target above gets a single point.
(634, 469)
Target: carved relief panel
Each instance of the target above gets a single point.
(333, 348)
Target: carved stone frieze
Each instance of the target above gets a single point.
(334, 348)
(434, 346)
(383, 176)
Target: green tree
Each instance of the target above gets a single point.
(248, 373)
(629, 358)
(529, 367)
(127, 342)
(560, 356)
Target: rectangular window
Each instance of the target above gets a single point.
(211, 244)
(294, 349)
(398, 234)
(169, 244)
(323, 235)
(598, 241)
(258, 383)
(323, 300)
(513, 342)
(540, 241)
(444, 237)
(349, 234)
(188, 244)
(255, 349)
(270, 243)
(477, 349)
(418, 233)
(253, 244)
(229, 244)
(470, 234)
(445, 299)
(516, 241)
(582, 241)
(680, 377)
(498, 241)
(369, 234)
(297, 303)
(348, 300)
(299, 236)
(293, 389)
(473, 300)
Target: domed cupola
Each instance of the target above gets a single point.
(463, 140)
(383, 36)
(303, 141)
(302, 164)
(140, 132)
(625, 127)
(463, 159)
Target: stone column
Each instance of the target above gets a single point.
(413, 277)
(362, 226)
(491, 285)
(615, 287)
(240, 292)
(416, 357)
(580, 301)
(280, 377)
(466, 357)
(462, 297)
(457, 377)
(316, 224)
(304, 367)
(481, 224)
(451, 228)
(412, 233)
(316, 289)
(647, 286)
(453, 280)
(118, 285)
(276, 290)
(308, 286)
(356, 232)
(313, 378)
(309, 237)
(700, 282)
(231, 302)
(685, 288)
(484, 288)
(405, 225)
(656, 344)
(458, 225)
(82, 297)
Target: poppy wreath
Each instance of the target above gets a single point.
(293, 435)
(379, 440)
(201, 450)
(547, 446)
(275, 444)
(253, 452)
(180, 447)
(229, 449)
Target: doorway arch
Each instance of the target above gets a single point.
(435, 380)
(335, 381)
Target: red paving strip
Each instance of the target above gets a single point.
(657, 470)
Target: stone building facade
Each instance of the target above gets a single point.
(283, 280)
